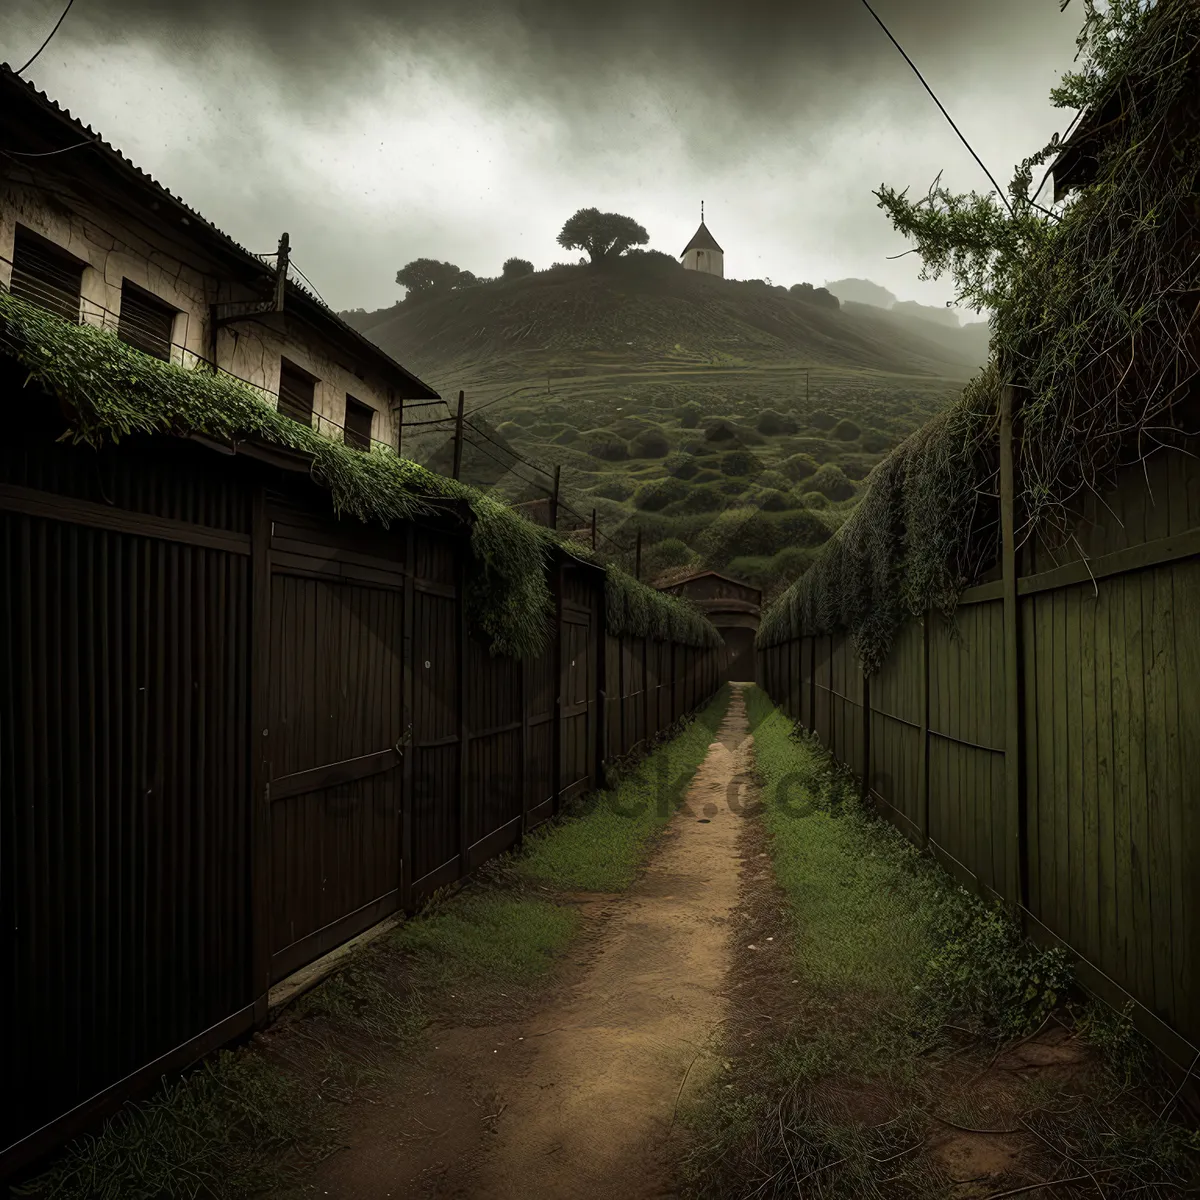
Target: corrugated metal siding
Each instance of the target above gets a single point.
(124, 847)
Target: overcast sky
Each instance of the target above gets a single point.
(378, 131)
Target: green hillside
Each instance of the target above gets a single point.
(729, 421)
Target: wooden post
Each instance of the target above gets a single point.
(260, 782)
(593, 529)
(464, 831)
(866, 736)
(637, 559)
(923, 766)
(1014, 758)
(554, 498)
(557, 578)
(281, 269)
(400, 430)
(458, 437)
(408, 668)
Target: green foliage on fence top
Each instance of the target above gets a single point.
(113, 390)
(638, 610)
(1092, 325)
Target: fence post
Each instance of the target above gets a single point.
(557, 577)
(923, 771)
(260, 780)
(464, 832)
(408, 675)
(1014, 757)
(866, 735)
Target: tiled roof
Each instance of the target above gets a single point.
(16, 90)
(702, 240)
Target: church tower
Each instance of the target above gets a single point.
(702, 253)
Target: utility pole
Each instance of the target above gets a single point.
(554, 498)
(637, 557)
(458, 437)
(593, 529)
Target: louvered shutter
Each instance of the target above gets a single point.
(48, 278)
(358, 424)
(145, 322)
(295, 393)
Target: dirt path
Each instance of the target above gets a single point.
(580, 1098)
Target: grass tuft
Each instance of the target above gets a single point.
(604, 842)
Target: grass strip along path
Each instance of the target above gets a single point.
(270, 1118)
(894, 1036)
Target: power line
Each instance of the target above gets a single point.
(533, 483)
(940, 105)
(47, 41)
(509, 450)
(49, 153)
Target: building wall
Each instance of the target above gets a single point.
(711, 588)
(711, 262)
(115, 248)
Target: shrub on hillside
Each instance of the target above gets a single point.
(689, 416)
(832, 483)
(706, 475)
(802, 527)
(700, 500)
(846, 429)
(741, 463)
(822, 420)
(774, 479)
(650, 443)
(814, 500)
(720, 431)
(682, 466)
(615, 489)
(874, 442)
(800, 466)
(773, 500)
(855, 466)
(657, 494)
(772, 423)
(613, 450)
(515, 268)
(671, 552)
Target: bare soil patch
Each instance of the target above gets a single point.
(577, 1094)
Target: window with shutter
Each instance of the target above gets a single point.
(46, 275)
(358, 424)
(145, 322)
(296, 393)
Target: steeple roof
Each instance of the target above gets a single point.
(702, 240)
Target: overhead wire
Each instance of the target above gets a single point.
(941, 106)
(42, 47)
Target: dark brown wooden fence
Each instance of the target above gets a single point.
(1078, 803)
(234, 733)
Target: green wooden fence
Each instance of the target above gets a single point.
(1045, 744)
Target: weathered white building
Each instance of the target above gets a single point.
(87, 234)
(702, 253)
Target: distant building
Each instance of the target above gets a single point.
(733, 607)
(702, 253)
(87, 235)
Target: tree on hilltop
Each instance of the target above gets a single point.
(514, 268)
(429, 277)
(601, 235)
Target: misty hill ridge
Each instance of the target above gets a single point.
(634, 310)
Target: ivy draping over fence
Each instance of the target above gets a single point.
(1093, 316)
(113, 390)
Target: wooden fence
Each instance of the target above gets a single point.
(234, 733)
(1046, 745)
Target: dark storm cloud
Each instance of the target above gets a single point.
(761, 58)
